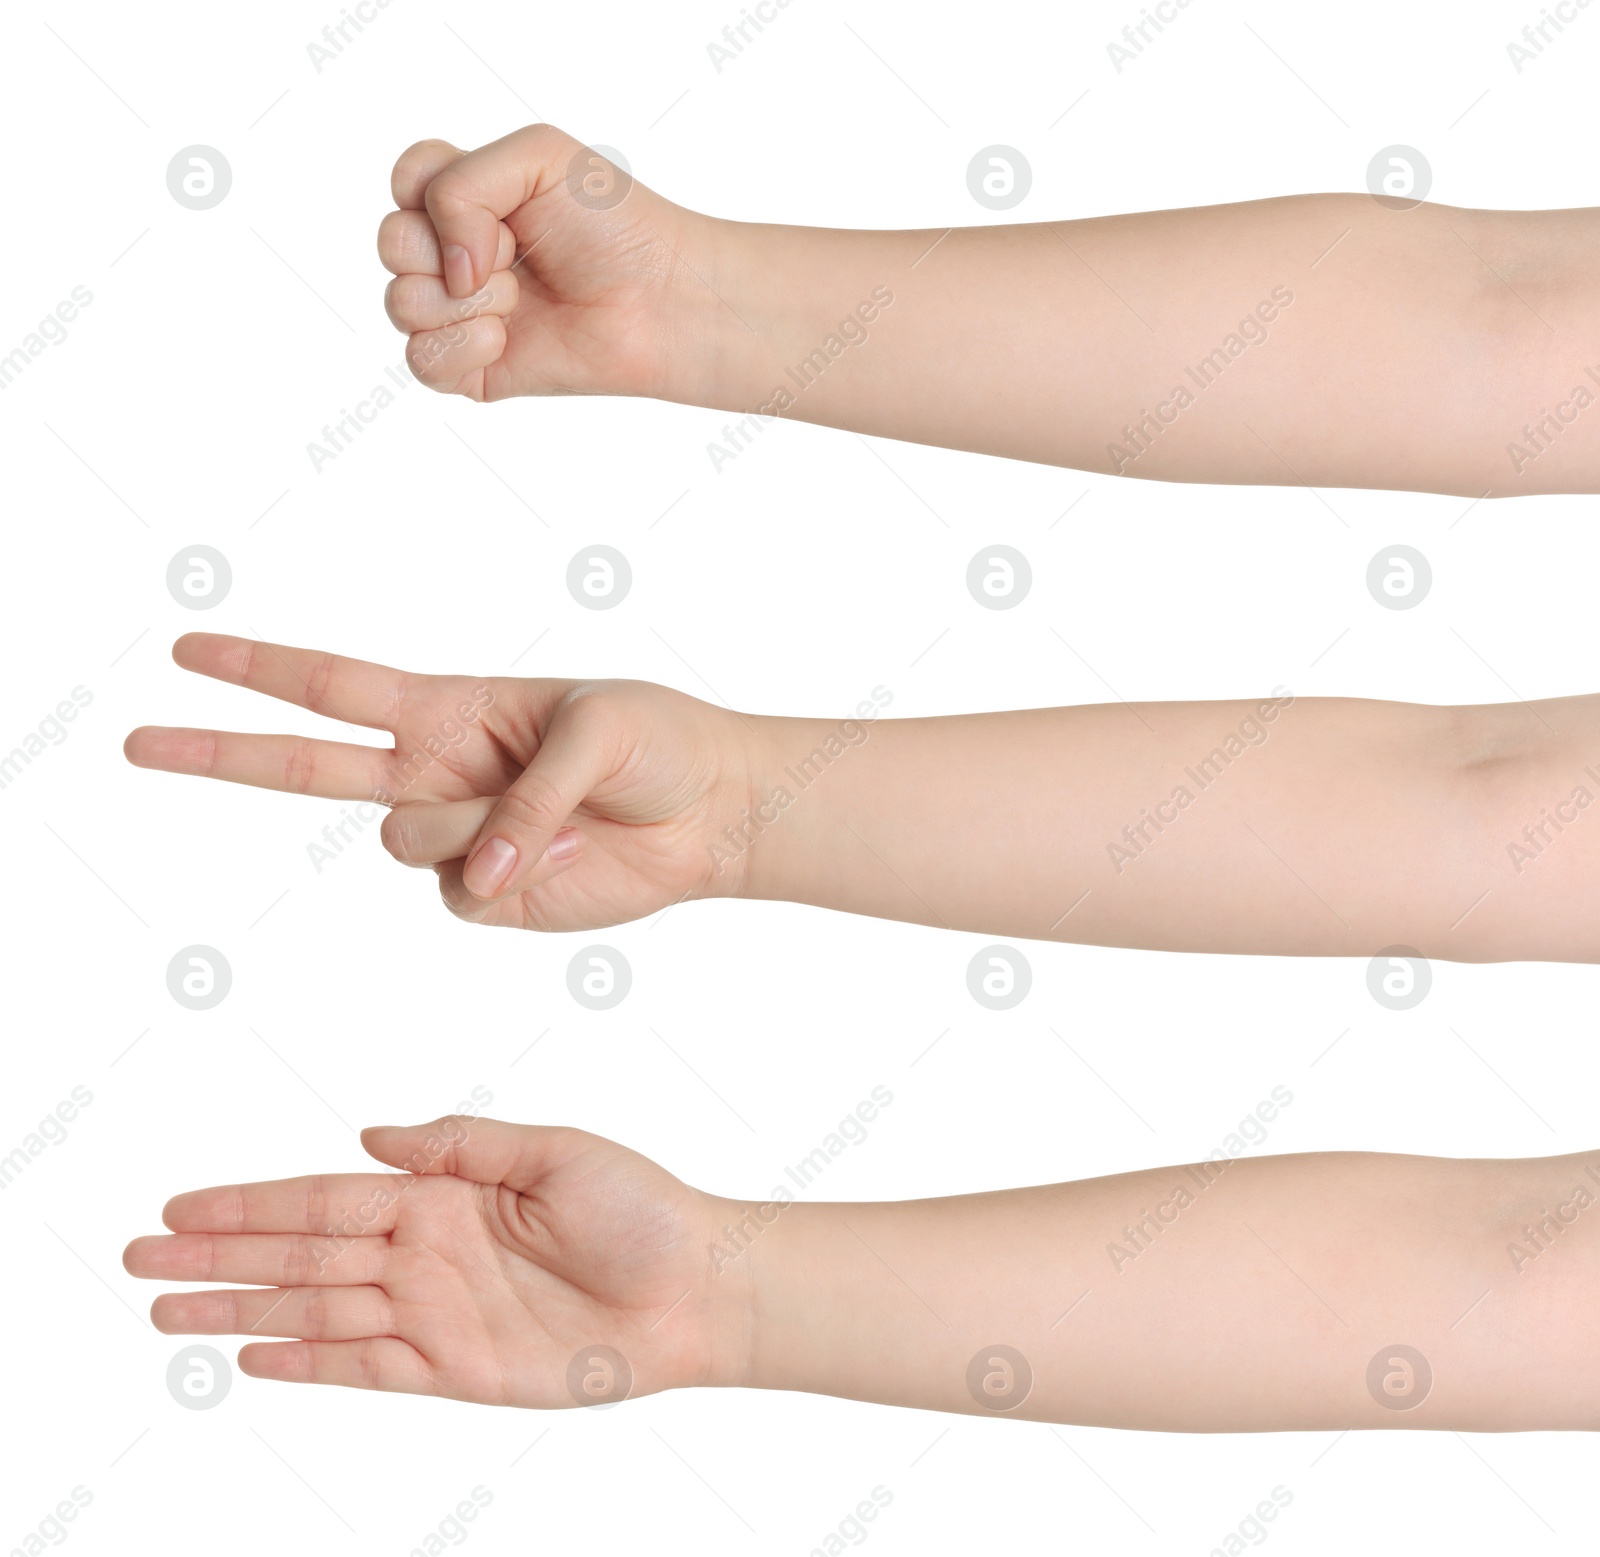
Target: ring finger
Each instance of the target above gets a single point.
(297, 1313)
(431, 832)
(421, 303)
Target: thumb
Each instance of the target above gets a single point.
(574, 757)
(484, 1151)
(467, 200)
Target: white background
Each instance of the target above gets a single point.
(815, 566)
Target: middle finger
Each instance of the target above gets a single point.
(409, 245)
(259, 1259)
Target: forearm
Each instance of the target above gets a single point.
(1251, 1295)
(1309, 826)
(1325, 340)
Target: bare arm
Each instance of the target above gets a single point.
(1295, 826)
(528, 1266)
(1283, 825)
(1319, 339)
(1330, 340)
(1278, 1293)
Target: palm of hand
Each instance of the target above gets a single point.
(503, 1264)
(507, 1293)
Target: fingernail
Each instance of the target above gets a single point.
(489, 869)
(457, 270)
(565, 844)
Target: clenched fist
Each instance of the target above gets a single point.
(536, 266)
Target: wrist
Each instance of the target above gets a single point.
(678, 330)
(829, 1316)
(773, 1259)
(736, 297)
(789, 303)
(774, 837)
(711, 312)
(730, 1305)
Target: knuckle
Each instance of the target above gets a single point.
(317, 1317)
(407, 244)
(420, 154)
(429, 353)
(594, 710)
(590, 699)
(485, 302)
(434, 147)
(545, 142)
(479, 335)
(423, 353)
(318, 681)
(299, 766)
(399, 836)
(316, 1207)
(248, 672)
(532, 808)
(208, 761)
(297, 1263)
(406, 300)
(410, 156)
(450, 190)
(392, 239)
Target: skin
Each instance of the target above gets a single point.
(500, 1256)
(1301, 826)
(1047, 341)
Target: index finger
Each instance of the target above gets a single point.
(417, 167)
(355, 691)
(468, 198)
(324, 1205)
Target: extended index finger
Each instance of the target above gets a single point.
(355, 691)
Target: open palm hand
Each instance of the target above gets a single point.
(504, 1264)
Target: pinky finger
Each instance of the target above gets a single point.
(378, 1362)
(441, 359)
